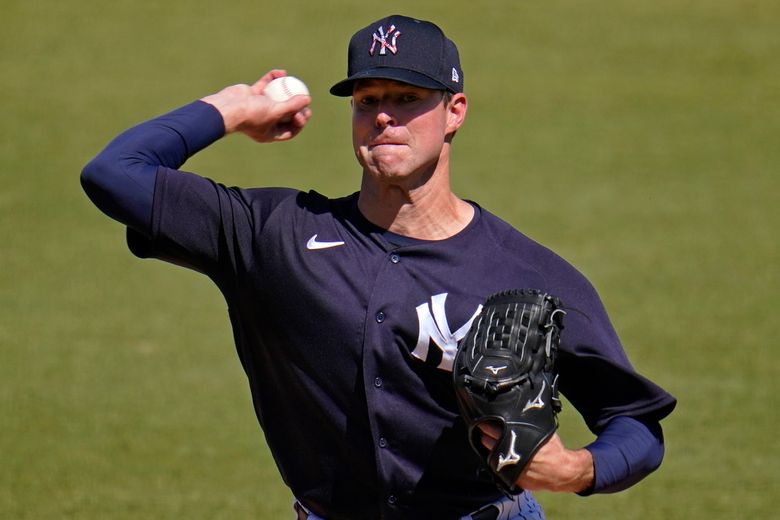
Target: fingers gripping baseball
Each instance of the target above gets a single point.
(281, 121)
(245, 109)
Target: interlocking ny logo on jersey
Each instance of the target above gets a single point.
(435, 328)
(381, 39)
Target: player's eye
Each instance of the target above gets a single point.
(367, 101)
(409, 98)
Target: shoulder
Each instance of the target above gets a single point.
(517, 244)
(274, 207)
(561, 278)
(270, 197)
(307, 200)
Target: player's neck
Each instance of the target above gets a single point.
(428, 212)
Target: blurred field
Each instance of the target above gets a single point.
(639, 140)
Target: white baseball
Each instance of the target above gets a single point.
(282, 89)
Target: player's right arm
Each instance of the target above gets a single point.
(121, 179)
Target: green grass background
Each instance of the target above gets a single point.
(638, 139)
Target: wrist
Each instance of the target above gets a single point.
(231, 103)
(226, 110)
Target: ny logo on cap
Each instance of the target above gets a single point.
(381, 38)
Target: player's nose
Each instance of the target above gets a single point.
(384, 117)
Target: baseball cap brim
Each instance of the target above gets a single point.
(344, 88)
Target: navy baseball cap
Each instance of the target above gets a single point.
(402, 49)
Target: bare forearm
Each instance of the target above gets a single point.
(577, 473)
(624, 453)
(555, 468)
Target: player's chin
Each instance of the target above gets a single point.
(383, 161)
(388, 163)
(390, 176)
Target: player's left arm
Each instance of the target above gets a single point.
(625, 452)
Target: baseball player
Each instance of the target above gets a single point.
(347, 312)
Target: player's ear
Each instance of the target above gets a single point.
(456, 112)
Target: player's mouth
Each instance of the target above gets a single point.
(384, 142)
(383, 146)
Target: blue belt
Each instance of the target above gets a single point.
(517, 507)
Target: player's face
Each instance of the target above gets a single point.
(399, 130)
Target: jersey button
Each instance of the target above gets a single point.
(382, 442)
(380, 317)
(392, 500)
(395, 258)
(378, 382)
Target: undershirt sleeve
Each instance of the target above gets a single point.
(121, 179)
(624, 453)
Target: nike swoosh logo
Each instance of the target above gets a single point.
(314, 244)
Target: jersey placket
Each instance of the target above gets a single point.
(380, 379)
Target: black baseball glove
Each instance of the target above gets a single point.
(504, 374)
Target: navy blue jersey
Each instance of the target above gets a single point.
(347, 338)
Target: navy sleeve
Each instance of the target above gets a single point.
(625, 453)
(121, 179)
